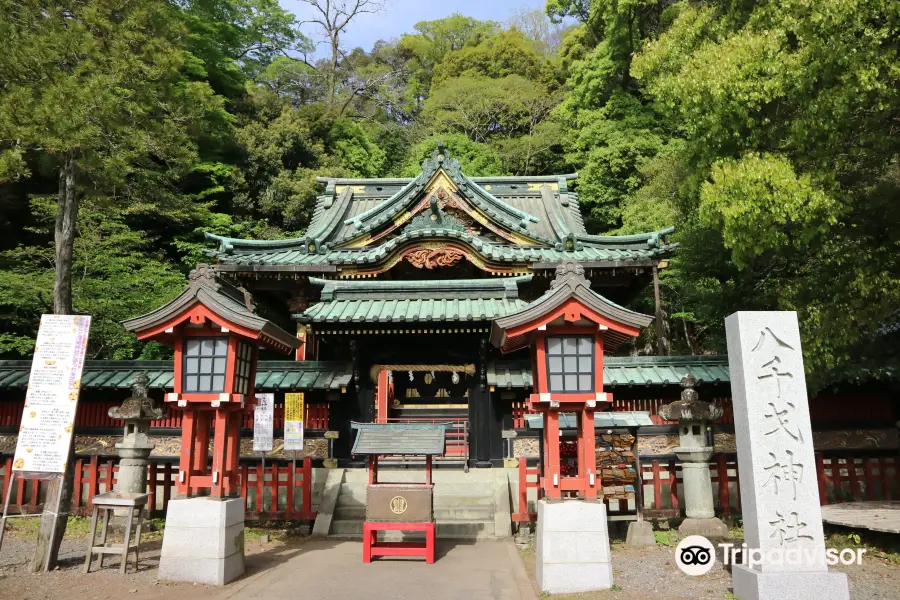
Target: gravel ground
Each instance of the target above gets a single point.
(645, 574)
(68, 582)
(651, 574)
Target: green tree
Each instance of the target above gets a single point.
(95, 87)
(788, 111)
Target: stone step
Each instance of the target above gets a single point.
(439, 476)
(449, 514)
(358, 491)
(472, 529)
(446, 500)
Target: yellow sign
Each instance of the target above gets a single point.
(293, 422)
(398, 505)
(293, 407)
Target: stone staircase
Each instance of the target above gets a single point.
(472, 505)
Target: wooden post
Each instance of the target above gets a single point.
(220, 439)
(639, 484)
(551, 425)
(186, 462)
(660, 329)
(307, 486)
(54, 517)
(673, 483)
(381, 393)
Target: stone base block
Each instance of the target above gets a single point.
(203, 541)
(640, 534)
(712, 529)
(211, 571)
(749, 584)
(572, 550)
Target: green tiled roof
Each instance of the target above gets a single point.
(601, 419)
(374, 301)
(606, 251)
(541, 211)
(417, 439)
(272, 375)
(409, 311)
(621, 371)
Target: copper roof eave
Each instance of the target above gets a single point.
(245, 268)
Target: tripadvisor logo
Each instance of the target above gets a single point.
(695, 555)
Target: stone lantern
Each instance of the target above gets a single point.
(694, 453)
(134, 450)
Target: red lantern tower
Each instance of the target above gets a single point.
(216, 333)
(569, 329)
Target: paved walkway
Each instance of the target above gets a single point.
(877, 516)
(332, 569)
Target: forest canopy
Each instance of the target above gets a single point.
(765, 132)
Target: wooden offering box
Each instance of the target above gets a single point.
(397, 502)
(399, 506)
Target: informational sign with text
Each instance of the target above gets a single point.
(51, 401)
(263, 422)
(293, 421)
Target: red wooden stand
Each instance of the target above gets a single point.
(371, 547)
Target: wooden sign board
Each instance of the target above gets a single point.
(48, 420)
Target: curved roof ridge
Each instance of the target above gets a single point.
(654, 239)
(476, 179)
(228, 244)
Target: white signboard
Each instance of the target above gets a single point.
(263, 422)
(293, 421)
(51, 401)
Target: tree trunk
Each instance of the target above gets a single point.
(66, 221)
(59, 492)
(332, 75)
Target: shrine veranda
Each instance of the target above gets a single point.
(392, 295)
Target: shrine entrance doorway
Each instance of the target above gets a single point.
(428, 393)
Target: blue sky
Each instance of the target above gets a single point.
(399, 16)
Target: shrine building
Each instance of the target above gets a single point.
(481, 303)
(403, 278)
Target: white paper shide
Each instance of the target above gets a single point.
(51, 402)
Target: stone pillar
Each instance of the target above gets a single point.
(134, 450)
(694, 453)
(779, 491)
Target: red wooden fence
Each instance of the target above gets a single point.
(96, 414)
(822, 409)
(840, 479)
(95, 475)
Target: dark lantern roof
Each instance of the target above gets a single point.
(570, 283)
(224, 300)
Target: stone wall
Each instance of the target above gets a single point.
(170, 446)
(664, 444)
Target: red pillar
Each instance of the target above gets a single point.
(552, 483)
(186, 461)
(588, 453)
(220, 439)
(382, 397)
(232, 459)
